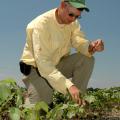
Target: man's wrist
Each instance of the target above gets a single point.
(90, 48)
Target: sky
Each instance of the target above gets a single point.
(101, 22)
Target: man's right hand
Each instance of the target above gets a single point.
(75, 93)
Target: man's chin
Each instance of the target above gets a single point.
(68, 23)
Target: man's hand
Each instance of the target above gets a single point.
(75, 94)
(96, 46)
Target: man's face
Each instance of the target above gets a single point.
(70, 14)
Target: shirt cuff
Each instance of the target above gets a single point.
(86, 49)
(68, 83)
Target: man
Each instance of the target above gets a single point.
(46, 62)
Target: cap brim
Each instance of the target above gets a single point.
(78, 5)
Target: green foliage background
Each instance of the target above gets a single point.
(100, 104)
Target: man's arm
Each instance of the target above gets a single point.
(42, 55)
(79, 41)
(85, 47)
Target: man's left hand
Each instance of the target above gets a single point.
(96, 46)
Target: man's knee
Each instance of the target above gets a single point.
(86, 59)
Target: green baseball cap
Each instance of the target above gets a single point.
(78, 4)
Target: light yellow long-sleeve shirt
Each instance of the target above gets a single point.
(47, 42)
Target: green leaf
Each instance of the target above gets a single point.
(41, 105)
(54, 112)
(9, 81)
(64, 106)
(81, 110)
(4, 92)
(29, 114)
(71, 114)
(90, 98)
(14, 113)
(19, 98)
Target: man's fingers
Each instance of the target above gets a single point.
(83, 102)
(100, 46)
(79, 101)
(75, 94)
(76, 99)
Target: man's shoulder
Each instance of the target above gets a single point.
(42, 19)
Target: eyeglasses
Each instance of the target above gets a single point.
(70, 13)
(73, 15)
